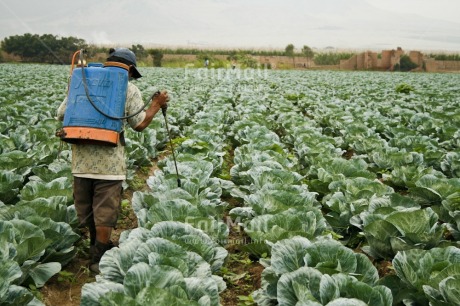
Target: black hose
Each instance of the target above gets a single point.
(163, 110)
(85, 85)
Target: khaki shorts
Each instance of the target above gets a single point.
(98, 199)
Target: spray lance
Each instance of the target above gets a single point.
(163, 110)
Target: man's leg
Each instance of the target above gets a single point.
(103, 234)
(83, 200)
(106, 208)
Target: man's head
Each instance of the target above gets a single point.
(127, 57)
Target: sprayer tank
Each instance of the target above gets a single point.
(85, 121)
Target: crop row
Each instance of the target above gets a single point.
(325, 165)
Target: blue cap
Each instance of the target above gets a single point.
(125, 56)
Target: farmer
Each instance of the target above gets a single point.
(99, 170)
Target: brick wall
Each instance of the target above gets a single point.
(349, 64)
(432, 65)
(389, 58)
(385, 62)
(416, 57)
(285, 61)
(363, 61)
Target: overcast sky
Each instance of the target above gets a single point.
(264, 24)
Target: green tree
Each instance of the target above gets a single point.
(289, 51)
(46, 48)
(308, 53)
(23, 46)
(139, 51)
(405, 64)
(157, 57)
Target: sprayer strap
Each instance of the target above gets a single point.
(116, 64)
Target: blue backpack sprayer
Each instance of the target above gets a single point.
(96, 105)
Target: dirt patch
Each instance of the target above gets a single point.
(64, 289)
(384, 268)
(241, 271)
(348, 154)
(242, 280)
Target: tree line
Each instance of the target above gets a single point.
(445, 57)
(46, 48)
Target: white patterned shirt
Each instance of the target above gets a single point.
(105, 162)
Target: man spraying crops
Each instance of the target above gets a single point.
(98, 160)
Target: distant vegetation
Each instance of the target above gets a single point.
(157, 57)
(50, 48)
(53, 49)
(331, 58)
(45, 48)
(445, 57)
(405, 64)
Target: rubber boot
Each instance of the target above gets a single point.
(96, 252)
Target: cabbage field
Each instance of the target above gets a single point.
(328, 175)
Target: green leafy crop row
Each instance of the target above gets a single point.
(349, 166)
